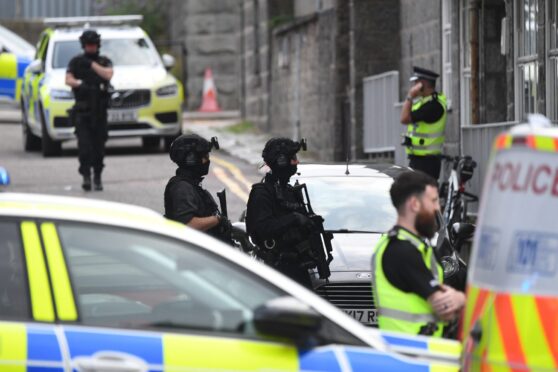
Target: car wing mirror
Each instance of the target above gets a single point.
(289, 318)
(168, 61)
(35, 67)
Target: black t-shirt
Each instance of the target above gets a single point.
(405, 269)
(186, 199)
(266, 218)
(78, 67)
(430, 112)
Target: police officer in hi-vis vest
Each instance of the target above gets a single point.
(424, 111)
(407, 278)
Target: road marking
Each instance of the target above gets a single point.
(235, 171)
(230, 184)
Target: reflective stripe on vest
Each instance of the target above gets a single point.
(398, 310)
(427, 138)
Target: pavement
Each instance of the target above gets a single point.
(247, 145)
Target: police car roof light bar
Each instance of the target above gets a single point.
(128, 20)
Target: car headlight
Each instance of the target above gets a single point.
(167, 90)
(61, 94)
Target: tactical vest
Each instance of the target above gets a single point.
(397, 310)
(427, 138)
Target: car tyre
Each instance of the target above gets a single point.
(50, 147)
(30, 141)
(151, 144)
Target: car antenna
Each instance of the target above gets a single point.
(347, 169)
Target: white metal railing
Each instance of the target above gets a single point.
(477, 141)
(381, 129)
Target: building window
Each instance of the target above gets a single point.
(465, 37)
(527, 65)
(552, 86)
(446, 50)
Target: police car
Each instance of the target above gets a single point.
(100, 286)
(147, 101)
(15, 56)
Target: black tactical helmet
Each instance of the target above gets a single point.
(188, 149)
(279, 151)
(90, 37)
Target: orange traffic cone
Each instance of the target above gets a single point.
(209, 99)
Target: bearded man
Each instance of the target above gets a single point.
(407, 278)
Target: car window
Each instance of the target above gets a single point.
(14, 296)
(122, 52)
(125, 278)
(352, 203)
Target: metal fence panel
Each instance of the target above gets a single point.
(381, 93)
(477, 142)
(29, 9)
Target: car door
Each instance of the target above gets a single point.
(28, 336)
(32, 84)
(136, 301)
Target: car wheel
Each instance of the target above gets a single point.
(50, 147)
(30, 141)
(151, 143)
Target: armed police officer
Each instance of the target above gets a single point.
(424, 113)
(407, 278)
(276, 219)
(185, 199)
(89, 75)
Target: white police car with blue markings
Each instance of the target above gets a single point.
(98, 286)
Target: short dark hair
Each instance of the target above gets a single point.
(430, 83)
(407, 184)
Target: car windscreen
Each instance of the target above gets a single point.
(352, 203)
(122, 52)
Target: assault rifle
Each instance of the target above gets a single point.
(320, 240)
(225, 228)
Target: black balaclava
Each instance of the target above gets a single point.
(188, 150)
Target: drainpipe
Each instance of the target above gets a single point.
(475, 73)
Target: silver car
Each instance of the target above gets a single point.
(356, 206)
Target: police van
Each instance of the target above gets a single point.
(147, 101)
(510, 320)
(15, 56)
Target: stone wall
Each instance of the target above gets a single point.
(211, 31)
(303, 101)
(375, 46)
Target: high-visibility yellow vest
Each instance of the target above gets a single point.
(397, 310)
(427, 138)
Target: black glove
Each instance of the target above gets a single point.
(85, 63)
(303, 221)
(225, 225)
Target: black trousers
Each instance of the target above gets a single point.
(296, 273)
(430, 164)
(91, 132)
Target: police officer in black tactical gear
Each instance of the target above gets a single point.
(275, 216)
(185, 199)
(89, 75)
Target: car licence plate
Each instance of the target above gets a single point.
(121, 116)
(364, 316)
